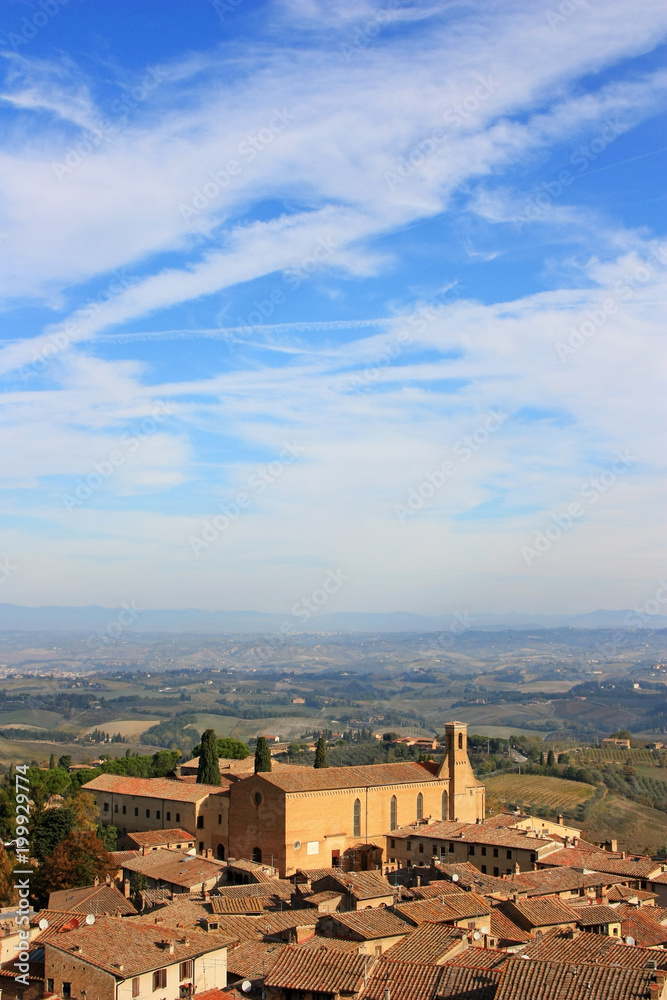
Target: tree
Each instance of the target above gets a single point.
(321, 753)
(108, 836)
(65, 761)
(52, 762)
(551, 759)
(262, 755)
(8, 894)
(53, 827)
(208, 772)
(85, 811)
(542, 758)
(229, 748)
(76, 862)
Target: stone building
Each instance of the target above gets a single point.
(138, 804)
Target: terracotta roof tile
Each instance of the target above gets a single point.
(112, 942)
(175, 867)
(540, 980)
(480, 958)
(447, 908)
(253, 959)
(295, 778)
(360, 885)
(474, 833)
(150, 838)
(428, 943)
(637, 866)
(645, 931)
(551, 880)
(170, 789)
(593, 916)
(594, 949)
(319, 969)
(275, 887)
(542, 911)
(405, 980)
(506, 930)
(371, 923)
(95, 899)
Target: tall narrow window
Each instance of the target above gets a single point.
(460, 741)
(393, 813)
(357, 818)
(445, 805)
(420, 806)
(257, 855)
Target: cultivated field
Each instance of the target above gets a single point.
(535, 792)
(126, 727)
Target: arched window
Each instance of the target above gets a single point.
(257, 854)
(460, 741)
(393, 813)
(357, 818)
(445, 805)
(221, 852)
(420, 806)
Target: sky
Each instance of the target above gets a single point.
(339, 299)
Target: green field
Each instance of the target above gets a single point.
(36, 718)
(637, 828)
(288, 727)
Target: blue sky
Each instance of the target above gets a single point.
(295, 287)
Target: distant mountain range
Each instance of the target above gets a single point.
(14, 617)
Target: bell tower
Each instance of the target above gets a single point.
(466, 794)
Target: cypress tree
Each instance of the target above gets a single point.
(208, 772)
(262, 755)
(542, 758)
(52, 762)
(321, 753)
(551, 759)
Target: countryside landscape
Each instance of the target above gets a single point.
(538, 703)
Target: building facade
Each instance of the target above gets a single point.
(301, 817)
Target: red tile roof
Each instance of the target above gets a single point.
(532, 980)
(169, 789)
(636, 866)
(125, 947)
(319, 969)
(428, 943)
(594, 916)
(371, 923)
(593, 949)
(95, 899)
(646, 932)
(176, 867)
(295, 778)
(551, 880)
(506, 930)
(360, 885)
(405, 980)
(462, 906)
(150, 838)
(490, 834)
(543, 911)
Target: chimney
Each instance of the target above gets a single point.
(108, 879)
(623, 855)
(560, 819)
(96, 881)
(171, 947)
(143, 850)
(419, 880)
(126, 888)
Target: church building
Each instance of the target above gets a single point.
(302, 817)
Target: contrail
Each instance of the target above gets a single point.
(223, 332)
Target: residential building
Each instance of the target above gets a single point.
(118, 958)
(139, 804)
(491, 846)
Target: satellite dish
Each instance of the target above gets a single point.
(90, 919)
(74, 923)
(246, 986)
(455, 878)
(485, 930)
(43, 924)
(629, 939)
(297, 845)
(477, 936)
